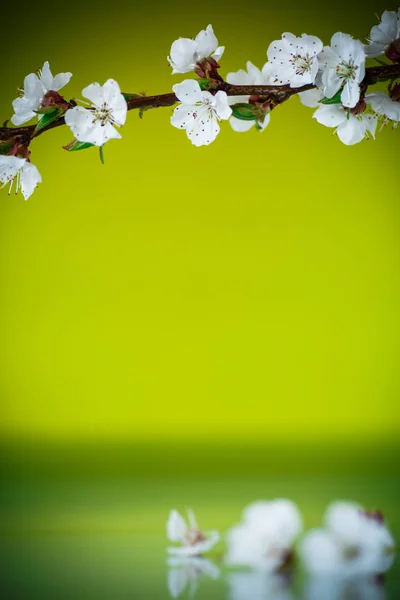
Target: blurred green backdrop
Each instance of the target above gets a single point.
(188, 326)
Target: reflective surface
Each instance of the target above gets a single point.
(104, 537)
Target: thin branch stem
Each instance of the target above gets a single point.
(276, 93)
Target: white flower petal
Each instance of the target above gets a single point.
(320, 552)
(30, 178)
(311, 98)
(183, 115)
(217, 55)
(387, 30)
(176, 527)
(344, 519)
(188, 91)
(195, 549)
(206, 42)
(203, 130)
(9, 167)
(240, 126)
(46, 77)
(95, 93)
(224, 111)
(23, 114)
(115, 101)
(182, 55)
(79, 119)
(178, 579)
(382, 104)
(32, 87)
(331, 82)
(60, 80)
(330, 115)
(350, 94)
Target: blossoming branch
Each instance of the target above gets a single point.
(334, 79)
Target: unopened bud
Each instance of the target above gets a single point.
(206, 67)
(54, 99)
(247, 112)
(393, 52)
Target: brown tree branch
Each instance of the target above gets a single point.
(277, 93)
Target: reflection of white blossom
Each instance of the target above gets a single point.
(258, 585)
(192, 541)
(338, 587)
(264, 539)
(185, 572)
(353, 542)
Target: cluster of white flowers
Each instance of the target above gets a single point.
(329, 78)
(350, 550)
(336, 72)
(92, 125)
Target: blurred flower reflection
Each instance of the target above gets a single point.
(259, 585)
(185, 572)
(335, 587)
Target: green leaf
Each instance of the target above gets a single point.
(143, 109)
(245, 112)
(381, 62)
(203, 83)
(5, 148)
(46, 120)
(102, 154)
(336, 99)
(75, 145)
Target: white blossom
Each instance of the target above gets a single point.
(192, 541)
(351, 129)
(384, 34)
(384, 106)
(35, 88)
(22, 172)
(253, 76)
(199, 112)
(95, 125)
(295, 59)
(265, 537)
(343, 66)
(352, 543)
(185, 572)
(185, 52)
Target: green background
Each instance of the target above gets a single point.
(187, 326)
